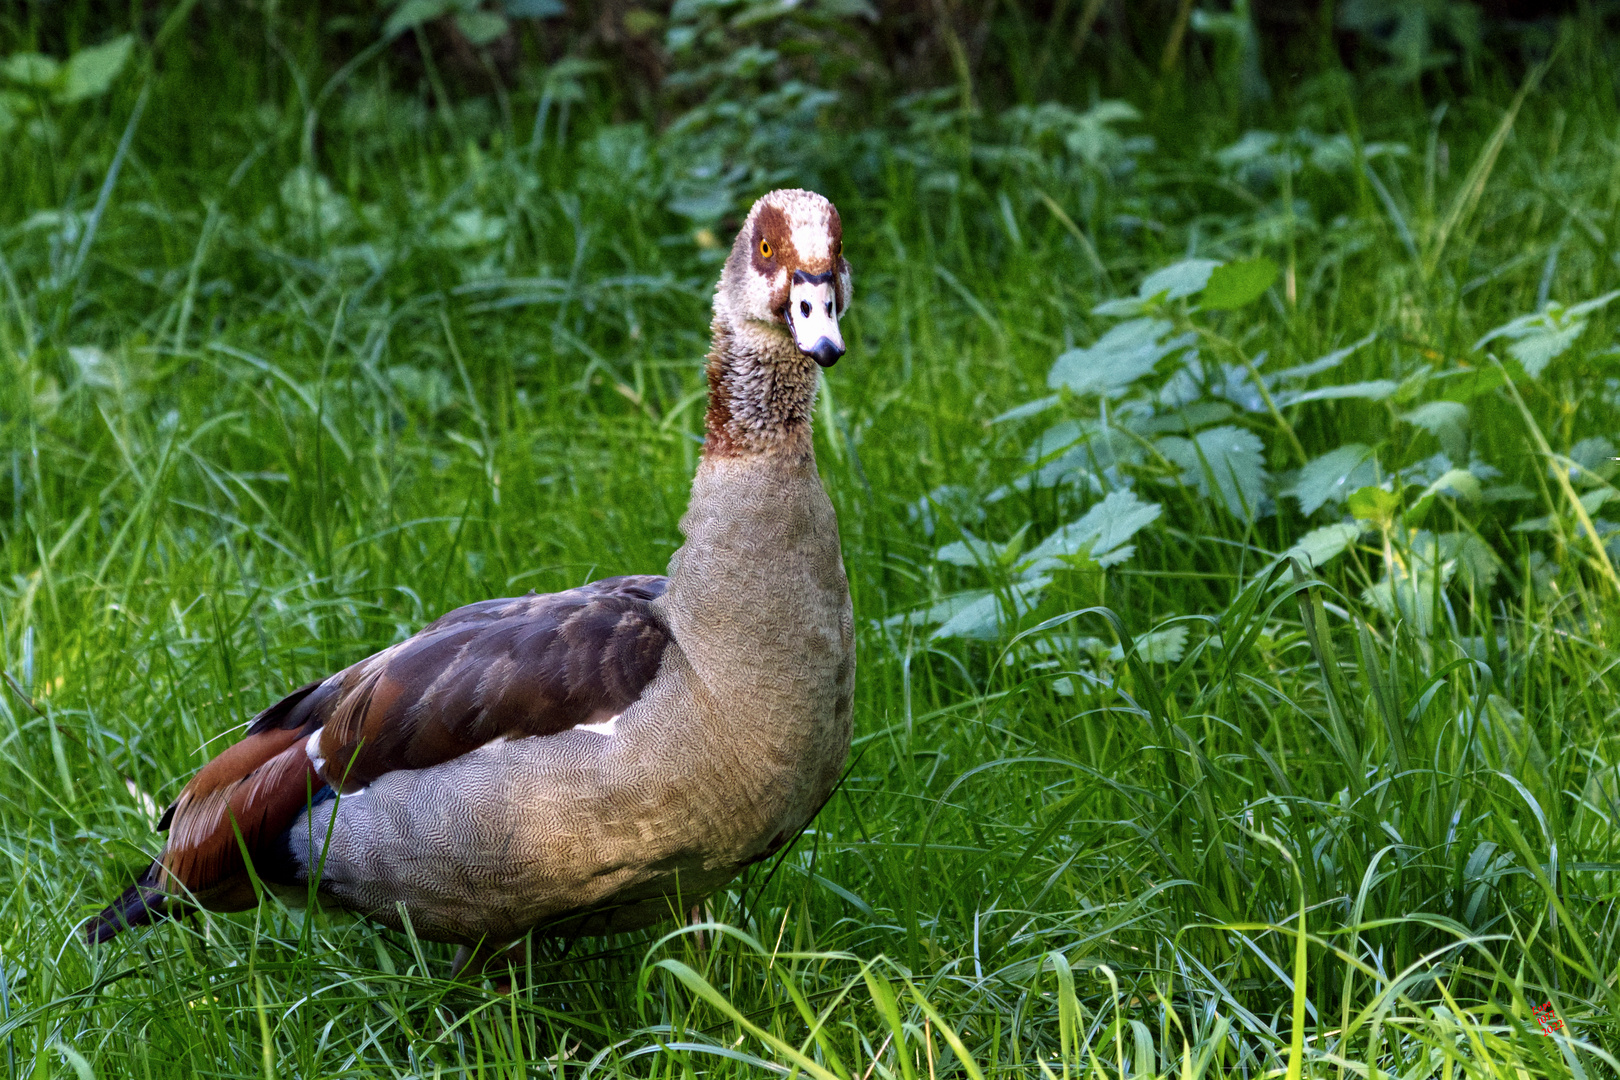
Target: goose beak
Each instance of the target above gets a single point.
(812, 315)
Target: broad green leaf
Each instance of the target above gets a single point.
(971, 551)
(985, 617)
(1232, 457)
(1457, 483)
(980, 619)
(939, 611)
(1165, 646)
(1126, 353)
(1372, 390)
(1435, 416)
(1374, 504)
(1476, 562)
(1593, 453)
(1120, 308)
(468, 229)
(413, 13)
(31, 69)
(1091, 137)
(1539, 338)
(1251, 147)
(1465, 386)
(1059, 436)
(1321, 546)
(1100, 532)
(90, 72)
(481, 27)
(1174, 282)
(1178, 280)
(1446, 421)
(13, 107)
(1535, 351)
(1237, 284)
(1333, 476)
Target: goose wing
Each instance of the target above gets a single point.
(515, 668)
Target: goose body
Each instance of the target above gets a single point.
(592, 760)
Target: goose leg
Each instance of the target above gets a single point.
(697, 915)
(471, 963)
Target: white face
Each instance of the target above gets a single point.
(787, 269)
(812, 315)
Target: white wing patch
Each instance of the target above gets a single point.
(312, 749)
(604, 727)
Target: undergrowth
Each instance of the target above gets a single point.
(1222, 500)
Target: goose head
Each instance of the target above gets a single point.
(786, 278)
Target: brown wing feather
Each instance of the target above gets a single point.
(529, 666)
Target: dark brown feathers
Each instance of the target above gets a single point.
(530, 666)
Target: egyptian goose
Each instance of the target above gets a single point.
(592, 760)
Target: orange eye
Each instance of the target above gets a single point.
(765, 248)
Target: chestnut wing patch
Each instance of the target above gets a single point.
(533, 665)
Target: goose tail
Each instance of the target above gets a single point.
(142, 903)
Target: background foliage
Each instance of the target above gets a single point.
(1221, 456)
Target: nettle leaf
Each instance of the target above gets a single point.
(1446, 421)
(1232, 457)
(1374, 504)
(971, 551)
(1333, 476)
(1457, 483)
(1178, 280)
(1174, 282)
(1237, 284)
(1321, 546)
(1435, 416)
(31, 69)
(1594, 460)
(1542, 337)
(1101, 533)
(1060, 436)
(481, 27)
(1165, 646)
(90, 72)
(1083, 460)
(1121, 356)
(413, 13)
(1371, 390)
(984, 614)
(1476, 562)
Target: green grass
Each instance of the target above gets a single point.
(333, 361)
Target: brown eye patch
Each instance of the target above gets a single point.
(773, 244)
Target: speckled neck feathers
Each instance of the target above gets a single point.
(761, 392)
(762, 385)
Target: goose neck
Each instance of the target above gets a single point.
(761, 393)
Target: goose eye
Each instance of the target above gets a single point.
(804, 307)
(829, 307)
(765, 248)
